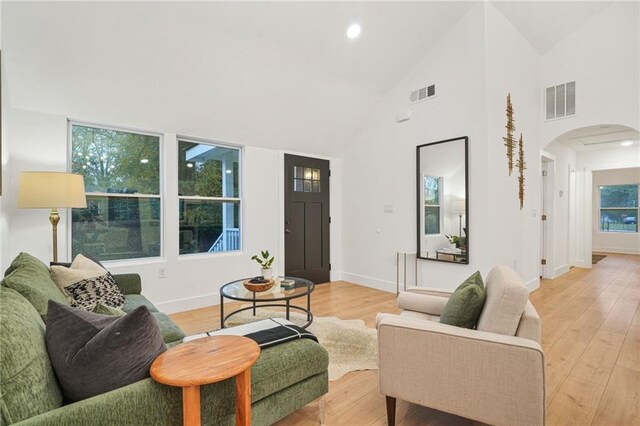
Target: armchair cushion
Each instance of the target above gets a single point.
(506, 298)
(465, 304)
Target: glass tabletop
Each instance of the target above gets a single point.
(235, 290)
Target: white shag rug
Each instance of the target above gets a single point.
(351, 344)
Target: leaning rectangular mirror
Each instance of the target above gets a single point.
(443, 201)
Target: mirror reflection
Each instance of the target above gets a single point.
(442, 173)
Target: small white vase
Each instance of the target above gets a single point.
(452, 246)
(267, 273)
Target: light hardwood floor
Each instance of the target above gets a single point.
(590, 336)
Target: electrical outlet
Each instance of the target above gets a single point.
(388, 208)
(162, 273)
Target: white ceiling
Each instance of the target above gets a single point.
(273, 74)
(545, 23)
(605, 136)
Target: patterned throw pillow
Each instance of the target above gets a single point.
(85, 283)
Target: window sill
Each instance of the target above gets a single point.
(133, 262)
(200, 256)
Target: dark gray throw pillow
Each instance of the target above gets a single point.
(93, 353)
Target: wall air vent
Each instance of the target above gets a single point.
(560, 100)
(422, 94)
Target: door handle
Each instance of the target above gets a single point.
(287, 231)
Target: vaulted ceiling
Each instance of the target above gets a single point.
(274, 74)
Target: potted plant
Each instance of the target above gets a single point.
(453, 240)
(265, 263)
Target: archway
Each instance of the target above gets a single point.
(570, 160)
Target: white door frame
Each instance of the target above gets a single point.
(547, 201)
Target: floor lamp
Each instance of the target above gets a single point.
(460, 206)
(51, 190)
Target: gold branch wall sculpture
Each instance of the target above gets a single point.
(509, 141)
(521, 165)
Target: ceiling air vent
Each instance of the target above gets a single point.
(423, 93)
(560, 100)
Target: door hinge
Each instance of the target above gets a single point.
(544, 217)
(329, 219)
(329, 266)
(544, 173)
(329, 172)
(544, 261)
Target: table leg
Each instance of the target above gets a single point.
(243, 398)
(254, 304)
(221, 311)
(288, 309)
(191, 406)
(308, 306)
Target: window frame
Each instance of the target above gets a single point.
(160, 196)
(600, 209)
(239, 199)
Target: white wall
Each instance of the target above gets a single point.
(513, 66)
(601, 56)
(613, 242)
(38, 141)
(379, 165)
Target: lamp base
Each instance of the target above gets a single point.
(54, 218)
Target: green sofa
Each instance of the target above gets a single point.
(285, 377)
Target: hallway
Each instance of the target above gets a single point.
(591, 339)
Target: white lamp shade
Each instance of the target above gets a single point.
(459, 205)
(51, 190)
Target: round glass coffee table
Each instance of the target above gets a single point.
(275, 297)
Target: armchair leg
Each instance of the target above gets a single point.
(322, 409)
(391, 411)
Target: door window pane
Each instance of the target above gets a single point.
(306, 179)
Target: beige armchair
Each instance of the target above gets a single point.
(494, 374)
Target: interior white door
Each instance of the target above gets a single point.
(580, 241)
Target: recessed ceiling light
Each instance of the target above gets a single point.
(144, 161)
(627, 143)
(353, 31)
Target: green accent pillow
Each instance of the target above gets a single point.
(465, 304)
(108, 310)
(31, 278)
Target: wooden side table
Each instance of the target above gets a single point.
(204, 361)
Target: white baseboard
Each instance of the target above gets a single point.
(561, 271)
(388, 286)
(533, 284)
(617, 250)
(335, 275)
(189, 303)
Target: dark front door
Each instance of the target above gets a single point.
(306, 218)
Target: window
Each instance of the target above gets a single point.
(306, 179)
(121, 172)
(619, 208)
(431, 205)
(209, 197)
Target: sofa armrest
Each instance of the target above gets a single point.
(492, 378)
(129, 283)
(421, 302)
